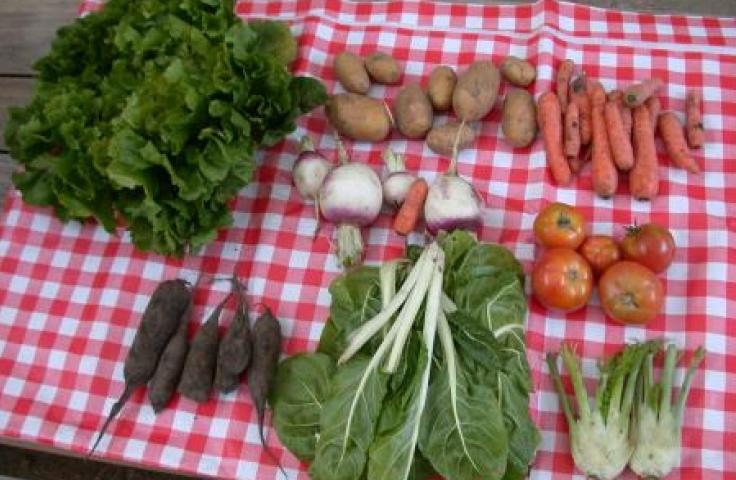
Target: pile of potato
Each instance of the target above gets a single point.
(470, 95)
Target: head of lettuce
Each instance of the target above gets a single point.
(149, 113)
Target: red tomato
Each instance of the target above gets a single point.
(601, 251)
(631, 293)
(562, 279)
(559, 225)
(650, 245)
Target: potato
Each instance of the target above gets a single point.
(383, 68)
(517, 71)
(476, 91)
(413, 112)
(350, 71)
(358, 117)
(442, 139)
(442, 82)
(519, 120)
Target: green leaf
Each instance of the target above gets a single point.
(468, 446)
(348, 421)
(300, 389)
(275, 39)
(356, 297)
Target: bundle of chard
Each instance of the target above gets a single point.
(615, 132)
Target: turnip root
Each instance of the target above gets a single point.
(397, 182)
(310, 170)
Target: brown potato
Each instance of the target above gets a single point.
(519, 120)
(358, 117)
(442, 82)
(350, 71)
(442, 139)
(413, 112)
(517, 71)
(383, 68)
(476, 91)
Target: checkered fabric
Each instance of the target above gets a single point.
(71, 295)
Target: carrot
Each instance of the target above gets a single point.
(654, 107)
(408, 215)
(572, 130)
(617, 96)
(234, 352)
(694, 119)
(670, 129)
(621, 149)
(579, 95)
(644, 177)
(605, 176)
(162, 317)
(637, 94)
(549, 118)
(563, 81)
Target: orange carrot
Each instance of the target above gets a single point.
(670, 129)
(605, 176)
(654, 108)
(621, 149)
(549, 118)
(644, 177)
(563, 81)
(579, 95)
(572, 131)
(694, 119)
(617, 96)
(408, 215)
(637, 94)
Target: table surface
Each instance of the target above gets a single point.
(26, 29)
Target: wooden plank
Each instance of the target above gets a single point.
(13, 92)
(27, 28)
(6, 169)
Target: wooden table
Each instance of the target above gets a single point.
(27, 28)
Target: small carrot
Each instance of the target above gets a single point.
(654, 107)
(670, 129)
(549, 118)
(408, 215)
(617, 96)
(579, 95)
(605, 176)
(572, 132)
(621, 149)
(644, 177)
(637, 94)
(694, 119)
(563, 81)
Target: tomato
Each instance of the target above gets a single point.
(631, 293)
(562, 279)
(650, 245)
(559, 225)
(601, 251)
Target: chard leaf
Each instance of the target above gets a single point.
(301, 388)
(472, 444)
(348, 421)
(356, 298)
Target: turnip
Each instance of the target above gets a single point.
(452, 203)
(310, 170)
(397, 182)
(350, 197)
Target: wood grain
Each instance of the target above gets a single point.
(6, 169)
(13, 92)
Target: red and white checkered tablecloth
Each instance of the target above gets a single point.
(71, 295)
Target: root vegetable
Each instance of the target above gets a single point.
(310, 170)
(694, 119)
(564, 74)
(358, 117)
(398, 181)
(579, 94)
(519, 120)
(671, 131)
(442, 139)
(161, 319)
(413, 112)
(550, 122)
(572, 134)
(517, 71)
(199, 367)
(383, 68)
(605, 176)
(169, 368)
(621, 149)
(476, 91)
(617, 96)
(441, 86)
(234, 352)
(638, 93)
(644, 177)
(408, 216)
(351, 72)
(655, 107)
